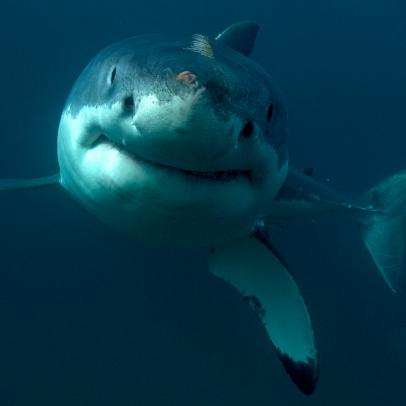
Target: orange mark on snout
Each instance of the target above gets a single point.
(186, 76)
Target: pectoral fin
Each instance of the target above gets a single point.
(16, 184)
(254, 268)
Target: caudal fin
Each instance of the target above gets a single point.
(384, 229)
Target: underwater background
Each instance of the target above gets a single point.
(91, 317)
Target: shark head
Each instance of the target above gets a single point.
(177, 140)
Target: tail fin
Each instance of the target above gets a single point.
(384, 229)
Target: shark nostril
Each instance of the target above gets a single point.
(248, 130)
(128, 104)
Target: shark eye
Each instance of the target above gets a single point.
(269, 114)
(113, 75)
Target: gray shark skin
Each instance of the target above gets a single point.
(183, 141)
(179, 108)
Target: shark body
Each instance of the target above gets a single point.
(183, 141)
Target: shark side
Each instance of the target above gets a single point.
(183, 141)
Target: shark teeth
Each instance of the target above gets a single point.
(222, 176)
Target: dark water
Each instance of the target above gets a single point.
(88, 317)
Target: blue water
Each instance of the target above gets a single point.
(89, 317)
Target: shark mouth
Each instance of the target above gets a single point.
(219, 176)
(223, 176)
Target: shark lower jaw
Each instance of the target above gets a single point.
(198, 175)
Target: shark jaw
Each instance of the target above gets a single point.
(225, 175)
(123, 176)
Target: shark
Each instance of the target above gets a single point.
(183, 142)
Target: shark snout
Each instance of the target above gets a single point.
(184, 129)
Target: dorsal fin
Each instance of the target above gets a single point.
(240, 36)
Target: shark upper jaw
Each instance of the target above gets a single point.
(213, 176)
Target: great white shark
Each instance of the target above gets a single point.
(182, 141)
